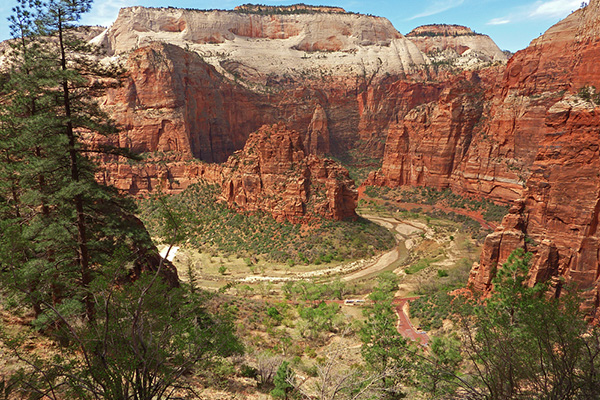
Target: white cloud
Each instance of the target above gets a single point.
(438, 6)
(499, 21)
(547, 9)
(554, 8)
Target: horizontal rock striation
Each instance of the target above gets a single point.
(274, 173)
(272, 44)
(557, 218)
(456, 46)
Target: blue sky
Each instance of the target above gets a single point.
(511, 23)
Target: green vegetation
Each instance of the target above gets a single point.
(310, 291)
(384, 350)
(432, 310)
(316, 320)
(525, 344)
(358, 162)
(434, 306)
(56, 222)
(447, 33)
(589, 94)
(438, 199)
(425, 195)
(103, 318)
(299, 8)
(213, 228)
(282, 379)
(418, 266)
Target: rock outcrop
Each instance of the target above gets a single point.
(172, 101)
(158, 174)
(317, 138)
(275, 174)
(270, 45)
(456, 46)
(560, 207)
(446, 143)
(345, 82)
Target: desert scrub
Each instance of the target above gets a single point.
(213, 228)
(431, 310)
(424, 195)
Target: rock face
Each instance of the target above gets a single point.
(352, 43)
(201, 81)
(158, 175)
(558, 216)
(317, 137)
(275, 174)
(172, 101)
(456, 45)
(446, 143)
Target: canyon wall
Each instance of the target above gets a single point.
(270, 45)
(558, 214)
(525, 134)
(273, 173)
(448, 143)
(456, 45)
(172, 101)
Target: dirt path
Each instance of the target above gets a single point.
(405, 327)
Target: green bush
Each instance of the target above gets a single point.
(418, 266)
(282, 381)
(248, 372)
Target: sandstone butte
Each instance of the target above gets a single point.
(274, 173)
(516, 133)
(455, 43)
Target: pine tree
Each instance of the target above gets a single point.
(59, 226)
(67, 243)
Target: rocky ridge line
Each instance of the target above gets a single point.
(274, 174)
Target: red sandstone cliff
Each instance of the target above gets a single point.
(519, 132)
(445, 143)
(274, 173)
(172, 101)
(558, 215)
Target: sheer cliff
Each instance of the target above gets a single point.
(557, 215)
